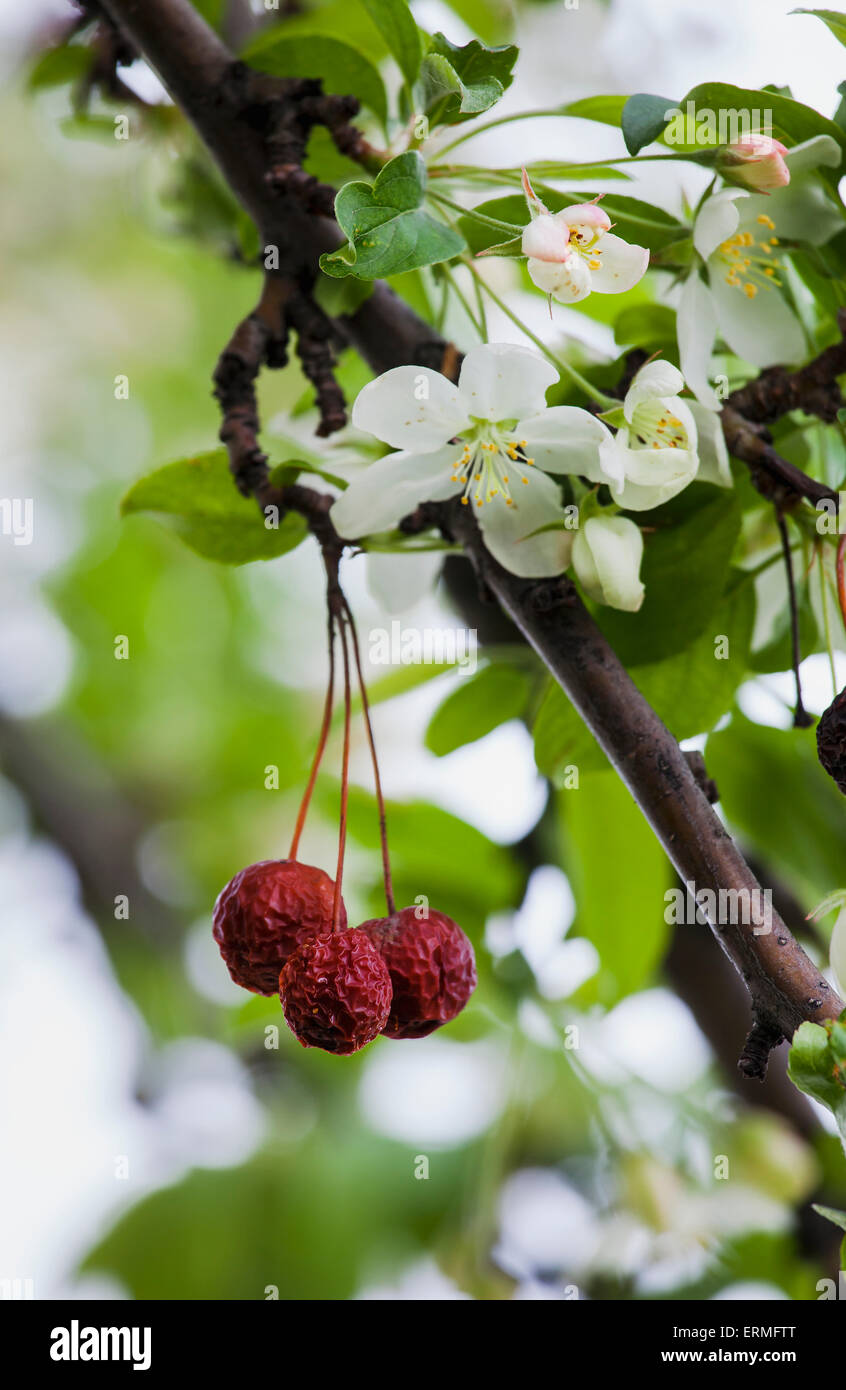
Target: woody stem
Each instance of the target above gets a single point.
(377, 781)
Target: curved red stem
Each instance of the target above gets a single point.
(841, 578)
(377, 780)
(321, 742)
(345, 767)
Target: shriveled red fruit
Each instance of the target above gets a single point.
(336, 992)
(265, 912)
(432, 966)
(831, 740)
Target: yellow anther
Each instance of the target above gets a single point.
(750, 291)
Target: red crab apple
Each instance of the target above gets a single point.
(335, 991)
(432, 968)
(265, 912)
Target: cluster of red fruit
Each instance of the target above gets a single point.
(401, 975)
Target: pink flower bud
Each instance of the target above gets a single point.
(756, 162)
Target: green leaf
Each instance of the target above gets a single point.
(802, 830)
(453, 864)
(835, 19)
(816, 1065)
(690, 692)
(68, 63)
(286, 473)
(643, 223)
(394, 21)
(478, 704)
(460, 82)
(554, 169)
(342, 69)
(621, 912)
(684, 570)
(792, 122)
(492, 20)
(606, 109)
(777, 655)
(838, 1218)
(387, 228)
(208, 512)
(646, 326)
(643, 119)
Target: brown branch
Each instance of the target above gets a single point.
(229, 107)
(784, 985)
(775, 477)
(813, 388)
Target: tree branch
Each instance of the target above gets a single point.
(229, 109)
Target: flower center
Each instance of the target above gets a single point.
(750, 261)
(587, 245)
(654, 426)
(490, 464)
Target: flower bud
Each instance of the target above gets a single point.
(607, 552)
(756, 162)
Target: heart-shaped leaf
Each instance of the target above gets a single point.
(387, 227)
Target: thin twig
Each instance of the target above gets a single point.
(377, 781)
(801, 718)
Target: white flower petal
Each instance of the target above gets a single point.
(612, 462)
(506, 530)
(607, 553)
(621, 265)
(398, 582)
(711, 446)
(762, 330)
(802, 211)
(717, 221)
(500, 381)
(547, 238)
(410, 408)
(392, 487)
(809, 154)
(586, 219)
(568, 280)
(696, 326)
(652, 476)
(565, 439)
(658, 378)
